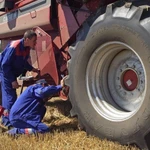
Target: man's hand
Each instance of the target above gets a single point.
(65, 89)
(15, 85)
(62, 82)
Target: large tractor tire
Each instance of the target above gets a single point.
(109, 74)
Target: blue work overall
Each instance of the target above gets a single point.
(29, 109)
(13, 61)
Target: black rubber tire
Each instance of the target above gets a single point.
(124, 23)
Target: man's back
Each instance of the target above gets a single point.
(28, 104)
(13, 59)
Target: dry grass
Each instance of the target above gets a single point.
(65, 134)
(68, 140)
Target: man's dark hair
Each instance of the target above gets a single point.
(29, 34)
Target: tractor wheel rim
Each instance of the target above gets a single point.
(115, 81)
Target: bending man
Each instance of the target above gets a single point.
(29, 109)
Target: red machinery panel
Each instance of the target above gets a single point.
(25, 15)
(44, 58)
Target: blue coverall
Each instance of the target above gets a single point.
(13, 61)
(28, 111)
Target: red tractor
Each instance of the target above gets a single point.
(104, 48)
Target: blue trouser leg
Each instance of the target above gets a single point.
(43, 111)
(42, 128)
(22, 127)
(9, 96)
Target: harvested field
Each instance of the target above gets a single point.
(65, 134)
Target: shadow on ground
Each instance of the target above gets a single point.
(58, 115)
